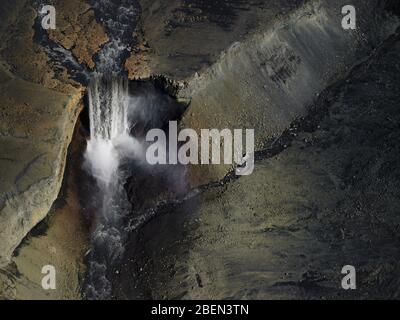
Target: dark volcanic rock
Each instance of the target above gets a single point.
(330, 199)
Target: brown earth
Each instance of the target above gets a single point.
(39, 107)
(60, 240)
(284, 232)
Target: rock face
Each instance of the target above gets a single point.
(35, 131)
(266, 81)
(38, 110)
(22, 56)
(78, 31)
(323, 194)
(241, 64)
(329, 199)
(61, 240)
(186, 36)
(256, 65)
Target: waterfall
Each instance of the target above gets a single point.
(108, 100)
(110, 144)
(108, 107)
(108, 114)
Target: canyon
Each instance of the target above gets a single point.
(321, 193)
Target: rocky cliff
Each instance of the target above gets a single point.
(322, 196)
(252, 64)
(266, 81)
(238, 64)
(39, 106)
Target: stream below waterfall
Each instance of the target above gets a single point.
(108, 99)
(112, 154)
(108, 113)
(324, 192)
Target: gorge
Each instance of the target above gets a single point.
(76, 190)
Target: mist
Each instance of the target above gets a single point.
(120, 117)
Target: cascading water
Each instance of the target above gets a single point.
(108, 107)
(112, 154)
(108, 113)
(109, 139)
(113, 157)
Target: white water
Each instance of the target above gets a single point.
(111, 156)
(108, 102)
(108, 114)
(108, 144)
